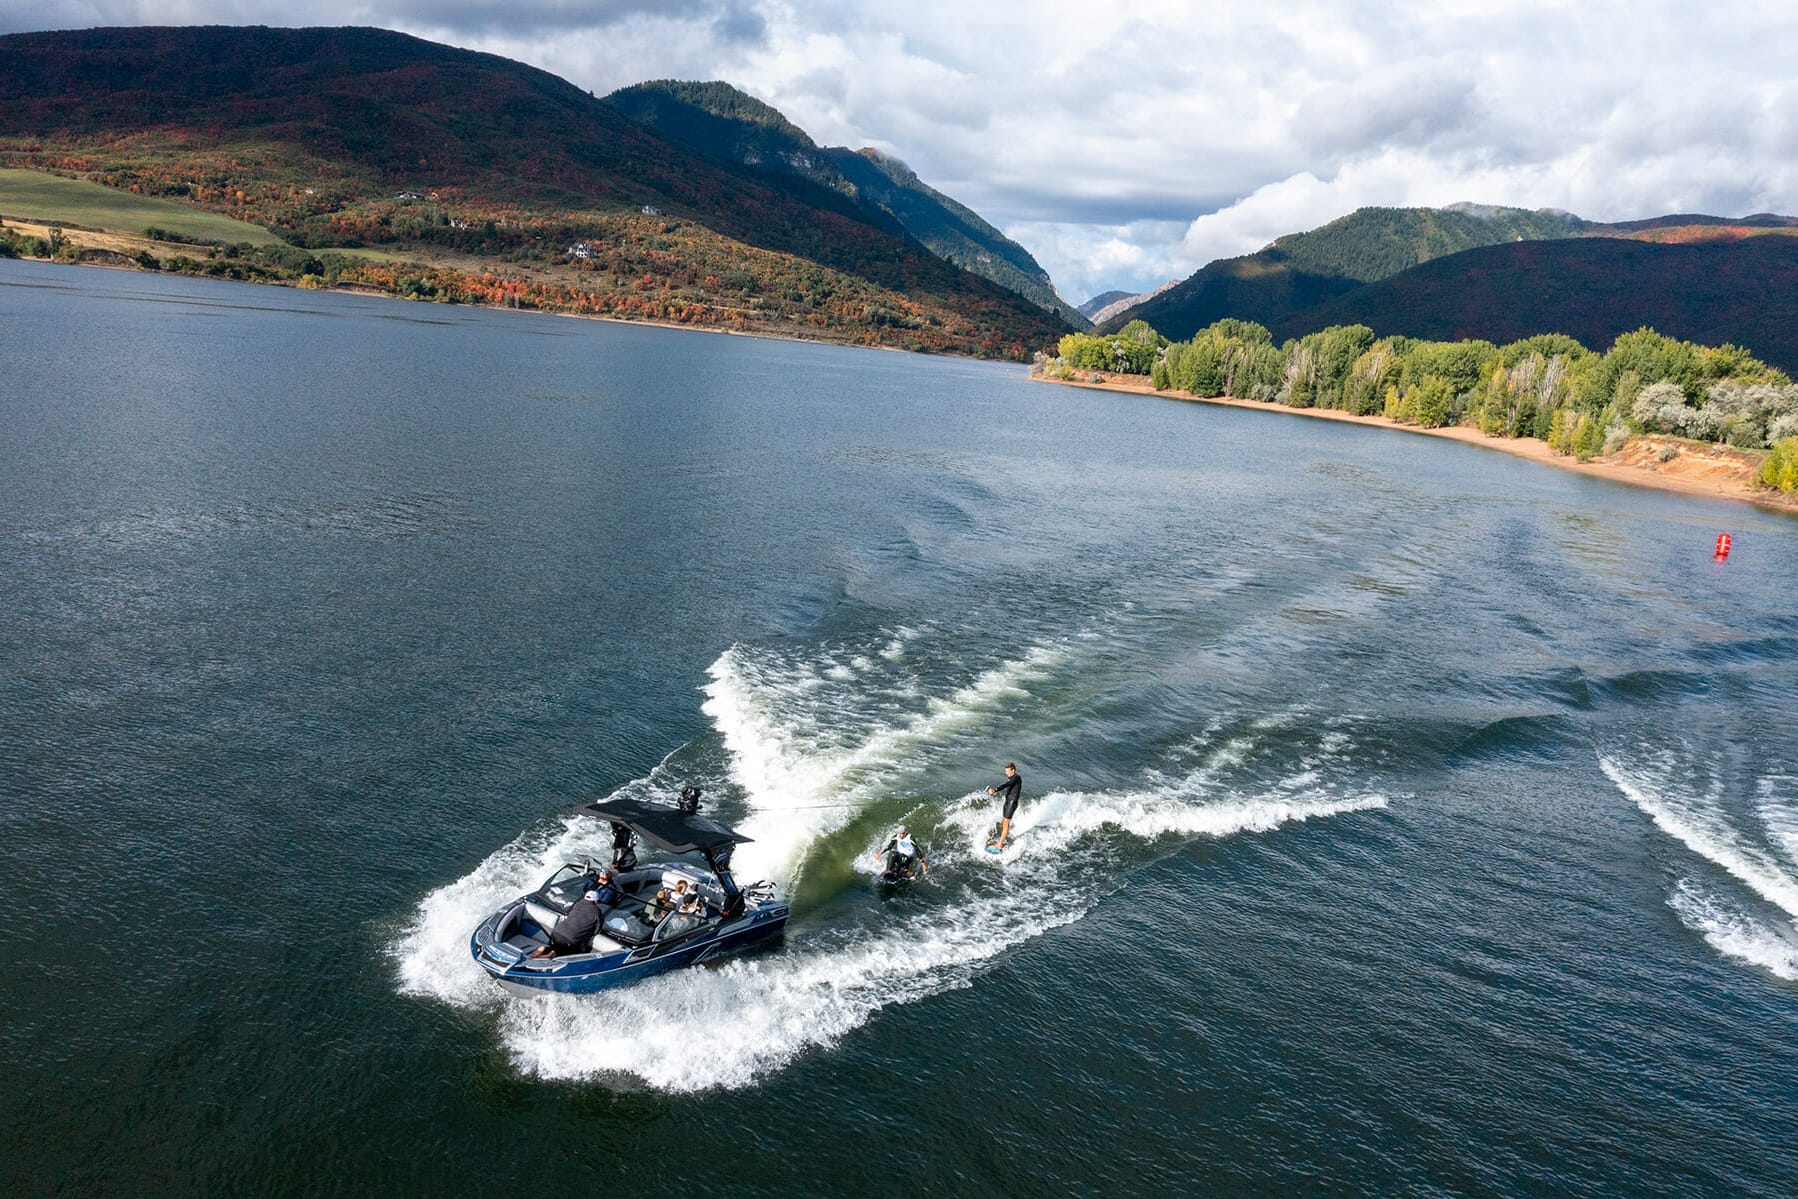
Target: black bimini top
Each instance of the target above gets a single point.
(664, 827)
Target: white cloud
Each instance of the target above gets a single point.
(1128, 143)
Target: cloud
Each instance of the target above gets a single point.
(1129, 143)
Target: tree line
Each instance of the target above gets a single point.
(1581, 402)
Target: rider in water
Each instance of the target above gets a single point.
(1008, 789)
(902, 856)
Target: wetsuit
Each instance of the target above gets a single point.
(623, 856)
(1009, 789)
(574, 932)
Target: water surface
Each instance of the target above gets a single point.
(1400, 816)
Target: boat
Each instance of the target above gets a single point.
(634, 939)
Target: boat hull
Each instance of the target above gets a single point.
(583, 974)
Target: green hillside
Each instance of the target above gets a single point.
(1739, 291)
(1302, 270)
(35, 196)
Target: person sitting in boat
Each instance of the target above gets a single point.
(659, 906)
(606, 889)
(574, 931)
(902, 856)
(690, 917)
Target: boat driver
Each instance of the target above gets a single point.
(606, 889)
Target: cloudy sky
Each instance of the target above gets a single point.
(1129, 143)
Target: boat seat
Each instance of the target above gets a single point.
(545, 917)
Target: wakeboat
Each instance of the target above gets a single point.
(636, 936)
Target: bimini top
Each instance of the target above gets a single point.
(665, 827)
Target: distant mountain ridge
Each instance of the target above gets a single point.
(1742, 291)
(1484, 271)
(1102, 301)
(348, 136)
(719, 122)
(1301, 270)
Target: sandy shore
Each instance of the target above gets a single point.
(1700, 468)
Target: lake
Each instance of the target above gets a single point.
(1399, 816)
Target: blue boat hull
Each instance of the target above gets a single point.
(584, 974)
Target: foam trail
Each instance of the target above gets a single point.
(1778, 814)
(784, 729)
(1703, 829)
(1734, 933)
(729, 1027)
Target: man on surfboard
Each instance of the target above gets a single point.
(1008, 789)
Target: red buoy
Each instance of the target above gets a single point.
(1722, 546)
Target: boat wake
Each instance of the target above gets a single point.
(787, 743)
(1739, 892)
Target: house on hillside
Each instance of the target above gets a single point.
(410, 195)
(651, 210)
(582, 250)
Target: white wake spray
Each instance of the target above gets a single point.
(803, 754)
(730, 1026)
(1669, 791)
(806, 749)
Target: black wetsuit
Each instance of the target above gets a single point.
(623, 856)
(1009, 789)
(574, 932)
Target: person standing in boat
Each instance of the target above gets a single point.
(1008, 789)
(624, 854)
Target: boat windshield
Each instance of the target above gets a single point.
(564, 887)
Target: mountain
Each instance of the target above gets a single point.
(733, 129)
(1303, 270)
(1733, 288)
(1103, 300)
(1104, 315)
(491, 173)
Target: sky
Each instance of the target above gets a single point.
(1130, 143)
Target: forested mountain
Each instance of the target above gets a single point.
(718, 122)
(491, 172)
(1302, 270)
(1739, 290)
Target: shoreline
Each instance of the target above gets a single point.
(370, 292)
(1711, 472)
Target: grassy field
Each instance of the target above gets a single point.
(32, 195)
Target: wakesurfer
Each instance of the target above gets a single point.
(902, 856)
(1008, 789)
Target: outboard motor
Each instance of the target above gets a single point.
(689, 801)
